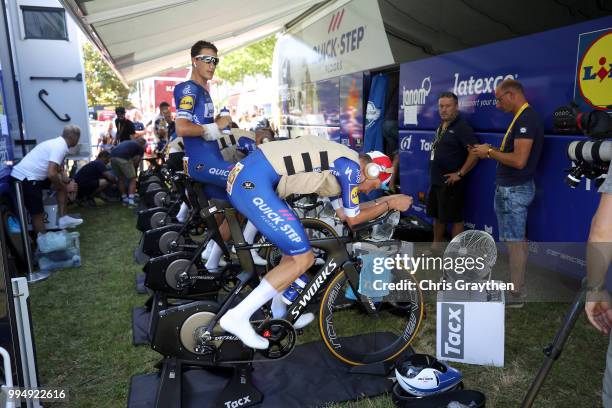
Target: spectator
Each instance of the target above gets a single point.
(125, 159)
(139, 127)
(165, 128)
(107, 136)
(125, 127)
(449, 163)
(41, 169)
(93, 178)
(599, 256)
(517, 159)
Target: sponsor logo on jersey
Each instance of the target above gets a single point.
(186, 102)
(355, 195)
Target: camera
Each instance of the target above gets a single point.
(590, 158)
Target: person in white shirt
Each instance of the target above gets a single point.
(41, 169)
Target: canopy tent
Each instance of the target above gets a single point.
(143, 37)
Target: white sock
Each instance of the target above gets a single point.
(249, 232)
(208, 249)
(215, 256)
(182, 214)
(261, 295)
(279, 308)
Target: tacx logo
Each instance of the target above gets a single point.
(452, 330)
(595, 72)
(239, 402)
(336, 19)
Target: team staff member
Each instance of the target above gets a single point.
(517, 159)
(450, 162)
(41, 169)
(308, 164)
(94, 177)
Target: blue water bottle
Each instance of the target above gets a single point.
(292, 292)
(225, 112)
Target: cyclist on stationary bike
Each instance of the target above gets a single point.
(308, 164)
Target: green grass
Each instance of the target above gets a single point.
(82, 327)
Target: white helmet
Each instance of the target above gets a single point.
(423, 375)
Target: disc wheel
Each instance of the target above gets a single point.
(166, 240)
(176, 268)
(187, 332)
(358, 338)
(158, 219)
(160, 198)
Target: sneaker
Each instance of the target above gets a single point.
(131, 204)
(68, 222)
(241, 328)
(125, 201)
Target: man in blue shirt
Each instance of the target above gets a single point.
(125, 159)
(517, 159)
(94, 177)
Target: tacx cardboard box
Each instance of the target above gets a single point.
(470, 327)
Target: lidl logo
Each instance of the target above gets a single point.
(186, 102)
(355, 195)
(595, 72)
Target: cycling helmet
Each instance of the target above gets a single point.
(423, 375)
(381, 167)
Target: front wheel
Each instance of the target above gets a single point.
(357, 338)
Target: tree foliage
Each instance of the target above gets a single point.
(251, 60)
(103, 85)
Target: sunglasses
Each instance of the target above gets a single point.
(209, 59)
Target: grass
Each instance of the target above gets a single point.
(82, 327)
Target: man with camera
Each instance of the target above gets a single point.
(517, 159)
(599, 256)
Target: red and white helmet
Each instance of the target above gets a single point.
(381, 167)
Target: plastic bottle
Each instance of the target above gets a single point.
(225, 112)
(293, 291)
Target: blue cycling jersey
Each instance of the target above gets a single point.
(205, 163)
(252, 191)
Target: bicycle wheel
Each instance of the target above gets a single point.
(314, 229)
(358, 338)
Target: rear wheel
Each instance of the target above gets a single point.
(358, 338)
(315, 229)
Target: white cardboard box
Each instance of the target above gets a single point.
(471, 327)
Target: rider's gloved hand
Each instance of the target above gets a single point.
(246, 145)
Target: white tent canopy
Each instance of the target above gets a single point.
(143, 37)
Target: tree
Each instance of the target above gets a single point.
(251, 60)
(103, 85)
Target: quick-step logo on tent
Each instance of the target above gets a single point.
(594, 74)
(342, 43)
(453, 318)
(412, 99)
